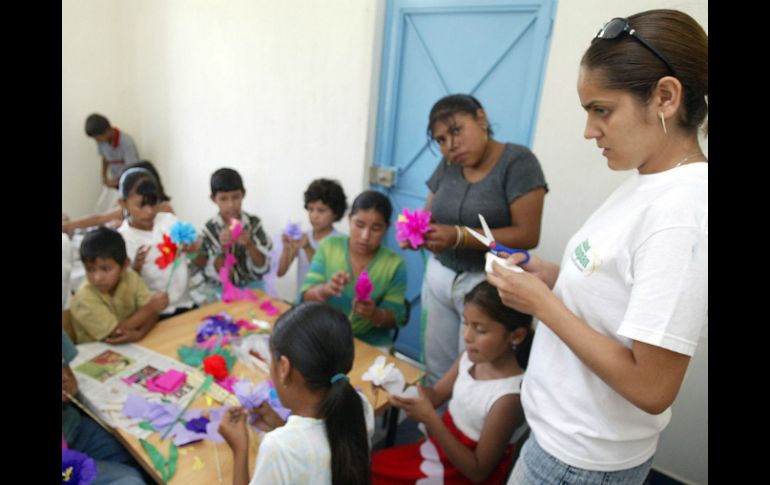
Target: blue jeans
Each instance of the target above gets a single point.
(111, 473)
(536, 466)
(113, 461)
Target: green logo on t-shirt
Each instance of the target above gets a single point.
(580, 256)
(586, 258)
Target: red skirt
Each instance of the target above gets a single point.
(426, 460)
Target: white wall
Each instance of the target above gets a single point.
(95, 78)
(280, 91)
(579, 181)
(285, 92)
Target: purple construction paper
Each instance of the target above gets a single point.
(183, 436)
(162, 415)
(135, 406)
(197, 425)
(251, 395)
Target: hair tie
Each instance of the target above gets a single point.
(125, 174)
(339, 376)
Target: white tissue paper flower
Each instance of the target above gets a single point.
(386, 376)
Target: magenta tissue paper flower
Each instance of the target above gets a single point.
(412, 226)
(364, 287)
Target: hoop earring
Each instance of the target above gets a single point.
(663, 122)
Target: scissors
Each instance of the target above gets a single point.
(489, 241)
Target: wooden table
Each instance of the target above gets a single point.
(166, 338)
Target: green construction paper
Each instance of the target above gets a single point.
(167, 468)
(194, 356)
(147, 425)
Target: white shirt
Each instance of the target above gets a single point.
(637, 269)
(472, 400)
(298, 452)
(155, 278)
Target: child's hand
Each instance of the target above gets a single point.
(364, 309)
(419, 408)
(302, 242)
(68, 382)
(122, 336)
(266, 417)
(225, 237)
(233, 430)
(159, 301)
(336, 284)
(141, 255)
(244, 237)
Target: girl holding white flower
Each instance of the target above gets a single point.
(475, 441)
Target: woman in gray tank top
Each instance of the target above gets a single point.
(477, 175)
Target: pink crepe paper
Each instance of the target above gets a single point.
(230, 292)
(166, 383)
(412, 226)
(227, 383)
(236, 228)
(244, 324)
(269, 308)
(211, 342)
(364, 287)
(130, 380)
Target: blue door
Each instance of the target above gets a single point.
(493, 49)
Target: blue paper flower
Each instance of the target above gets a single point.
(77, 468)
(183, 233)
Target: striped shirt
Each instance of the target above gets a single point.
(244, 271)
(388, 274)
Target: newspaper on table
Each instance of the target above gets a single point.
(104, 372)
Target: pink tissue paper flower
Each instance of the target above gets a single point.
(412, 226)
(364, 287)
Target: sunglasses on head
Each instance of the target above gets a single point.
(619, 26)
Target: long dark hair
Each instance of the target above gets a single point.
(318, 340)
(487, 299)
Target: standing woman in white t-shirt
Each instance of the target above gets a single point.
(621, 317)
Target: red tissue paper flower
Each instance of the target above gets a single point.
(167, 252)
(215, 365)
(411, 226)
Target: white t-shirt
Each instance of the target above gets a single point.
(298, 452)
(472, 400)
(303, 264)
(155, 278)
(637, 269)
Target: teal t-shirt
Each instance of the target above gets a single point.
(388, 274)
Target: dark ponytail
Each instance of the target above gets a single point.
(318, 340)
(487, 299)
